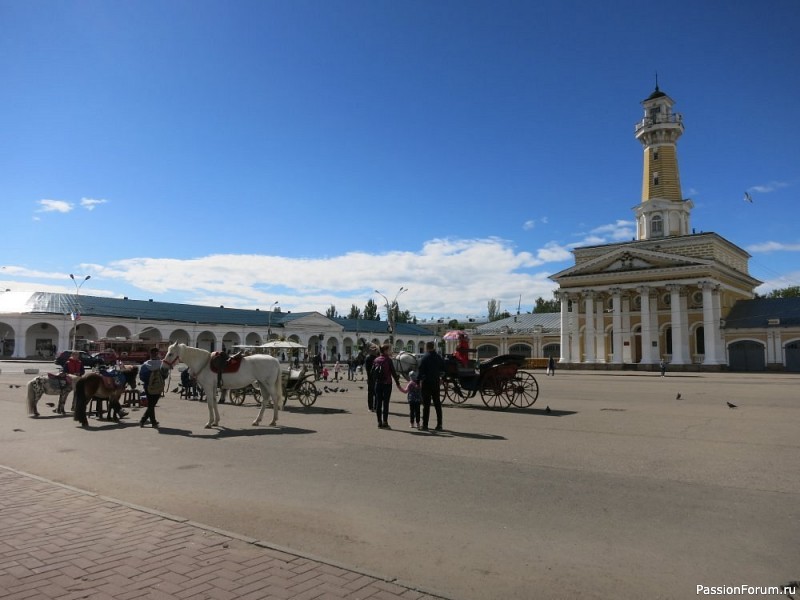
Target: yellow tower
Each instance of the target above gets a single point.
(663, 211)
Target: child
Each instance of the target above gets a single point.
(414, 399)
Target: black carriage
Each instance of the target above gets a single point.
(500, 382)
(297, 383)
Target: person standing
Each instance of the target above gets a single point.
(551, 365)
(153, 373)
(384, 373)
(414, 399)
(428, 374)
(74, 365)
(663, 367)
(372, 354)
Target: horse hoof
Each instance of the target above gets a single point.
(208, 426)
(256, 423)
(273, 424)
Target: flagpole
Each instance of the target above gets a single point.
(77, 313)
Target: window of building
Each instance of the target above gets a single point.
(700, 340)
(657, 225)
(655, 178)
(668, 339)
(655, 154)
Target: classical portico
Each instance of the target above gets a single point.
(664, 295)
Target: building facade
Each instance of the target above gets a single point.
(38, 324)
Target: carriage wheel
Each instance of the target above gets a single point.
(256, 395)
(496, 394)
(523, 390)
(307, 393)
(451, 393)
(237, 397)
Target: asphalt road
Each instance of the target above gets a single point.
(621, 491)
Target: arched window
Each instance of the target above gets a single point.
(657, 225)
(700, 340)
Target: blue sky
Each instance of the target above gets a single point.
(311, 152)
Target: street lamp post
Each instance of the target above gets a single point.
(77, 314)
(269, 321)
(391, 310)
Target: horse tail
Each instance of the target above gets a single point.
(80, 401)
(32, 396)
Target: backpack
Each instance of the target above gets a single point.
(376, 371)
(155, 383)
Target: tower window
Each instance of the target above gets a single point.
(655, 178)
(655, 154)
(657, 226)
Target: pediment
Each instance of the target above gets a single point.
(624, 260)
(315, 321)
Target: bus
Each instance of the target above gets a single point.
(126, 350)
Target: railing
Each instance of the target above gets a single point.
(660, 119)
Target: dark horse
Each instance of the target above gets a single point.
(103, 386)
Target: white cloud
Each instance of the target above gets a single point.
(55, 206)
(768, 187)
(773, 247)
(91, 203)
(445, 276)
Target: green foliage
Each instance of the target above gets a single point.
(355, 312)
(789, 292)
(331, 312)
(547, 306)
(371, 311)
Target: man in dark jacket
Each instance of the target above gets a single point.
(372, 354)
(428, 375)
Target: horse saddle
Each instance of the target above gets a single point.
(59, 380)
(222, 363)
(113, 380)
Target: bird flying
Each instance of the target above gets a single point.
(748, 198)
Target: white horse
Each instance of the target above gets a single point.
(404, 363)
(261, 368)
(59, 386)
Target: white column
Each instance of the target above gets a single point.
(600, 330)
(616, 325)
(575, 330)
(710, 324)
(588, 329)
(680, 331)
(565, 324)
(646, 321)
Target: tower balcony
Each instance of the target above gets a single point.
(670, 119)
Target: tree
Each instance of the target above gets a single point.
(355, 312)
(371, 311)
(493, 307)
(547, 306)
(789, 292)
(453, 324)
(402, 317)
(331, 312)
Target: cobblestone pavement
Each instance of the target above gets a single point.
(61, 542)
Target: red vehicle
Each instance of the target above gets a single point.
(128, 351)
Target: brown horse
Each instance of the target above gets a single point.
(103, 386)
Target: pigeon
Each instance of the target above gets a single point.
(361, 387)
(547, 409)
(325, 387)
(343, 390)
(50, 404)
(678, 397)
(10, 386)
(730, 405)
(175, 390)
(336, 389)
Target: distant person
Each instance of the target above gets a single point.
(153, 374)
(663, 367)
(384, 371)
(74, 365)
(462, 350)
(551, 365)
(372, 354)
(428, 374)
(414, 399)
(337, 368)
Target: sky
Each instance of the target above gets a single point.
(307, 153)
